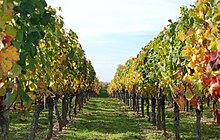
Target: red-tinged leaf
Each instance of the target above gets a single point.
(215, 87)
(190, 32)
(207, 59)
(7, 39)
(205, 79)
(216, 65)
(181, 102)
(213, 80)
(194, 102)
(214, 55)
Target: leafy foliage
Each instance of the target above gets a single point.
(183, 60)
(38, 55)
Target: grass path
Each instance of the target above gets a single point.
(107, 119)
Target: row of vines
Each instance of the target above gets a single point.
(41, 63)
(181, 66)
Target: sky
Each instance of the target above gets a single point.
(111, 31)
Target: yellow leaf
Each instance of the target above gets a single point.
(191, 65)
(6, 66)
(198, 69)
(187, 78)
(216, 17)
(187, 51)
(32, 87)
(31, 95)
(181, 35)
(190, 32)
(194, 57)
(12, 54)
(213, 45)
(199, 107)
(7, 58)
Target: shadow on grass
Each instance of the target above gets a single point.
(188, 127)
(104, 119)
(20, 125)
(103, 94)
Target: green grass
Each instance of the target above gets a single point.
(108, 119)
(103, 94)
(105, 119)
(188, 127)
(19, 130)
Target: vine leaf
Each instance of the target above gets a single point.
(181, 102)
(31, 95)
(15, 71)
(188, 95)
(7, 58)
(181, 36)
(2, 88)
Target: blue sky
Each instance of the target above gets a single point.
(110, 31)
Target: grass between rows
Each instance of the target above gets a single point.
(109, 119)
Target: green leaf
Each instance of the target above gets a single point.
(11, 31)
(20, 35)
(33, 36)
(188, 95)
(47, 79)
(16, 44)
(31, 65)
(35, 19)
(33, 51)
(24, 69)
(198, 90)
(23, 94)
(2, 90)
(23, 55)
(26, 7)
(27, 46)
(45, 18)
(216, 17)
(12, 97)
(15, 71)
(28, 103)
(41, 4)
(1, 24)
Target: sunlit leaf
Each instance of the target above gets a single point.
(181, 35)
(31, 95)
(15, 71)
